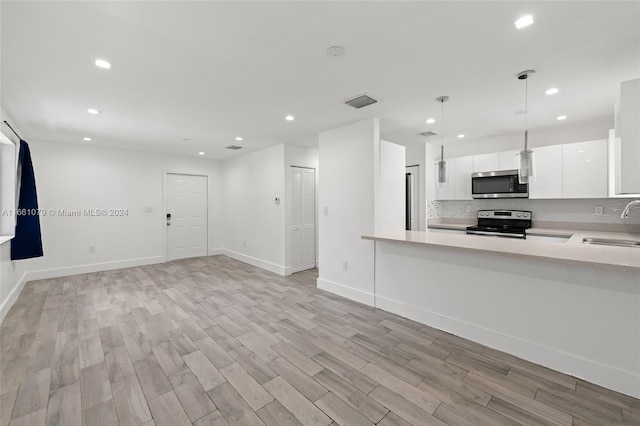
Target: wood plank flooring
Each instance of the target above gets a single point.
(213, 341)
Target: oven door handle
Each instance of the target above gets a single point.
(497, 234)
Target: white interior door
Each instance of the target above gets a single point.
(303, 219)
(412, 197)
(186, 216)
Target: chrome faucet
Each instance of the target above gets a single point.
(625, 212)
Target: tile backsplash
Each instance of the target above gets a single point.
(578, 210)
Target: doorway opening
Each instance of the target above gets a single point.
(412, 189)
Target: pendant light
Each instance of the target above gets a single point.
(441, 166)
(526, 171)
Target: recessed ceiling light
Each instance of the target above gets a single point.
(201, 153)
(335, 51)
(582, 150)
(460, 136)
(524, 21)
(431, 121)
(87, 139)
(238, 138)
(551, 91)
(289, 118)
(101, 63)
(561, 117)
(93, 111)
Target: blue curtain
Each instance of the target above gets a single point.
(27, 242)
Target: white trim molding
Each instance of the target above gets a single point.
(269, 266)
(344, 291)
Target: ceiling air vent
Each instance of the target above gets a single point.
(360, 101)
(234, 147)
(428, 134)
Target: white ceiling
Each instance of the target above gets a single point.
(210, 71)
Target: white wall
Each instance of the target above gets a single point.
(347, 158)
(72, 176)
(416, 156)
(297, 156)
(12, 274)
(254, 225)
(390, 212)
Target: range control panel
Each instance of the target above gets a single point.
(504, 214)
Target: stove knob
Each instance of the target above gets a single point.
(518, 215)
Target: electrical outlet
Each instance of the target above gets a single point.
(244, 243)
(598, 210)
(325, 211)
(345, 265)
(148, 209)
(467, 208)
(92, 249)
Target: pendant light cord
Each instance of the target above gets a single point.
(526, 113)
(442, 130)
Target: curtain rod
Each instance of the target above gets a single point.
(14, 132)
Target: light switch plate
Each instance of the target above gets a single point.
(325, 211)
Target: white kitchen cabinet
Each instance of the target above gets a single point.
(509, 160)
(462, 182)
(627, 135)
(459, 179)
(584, 169)
(548, 179)
(486, 162)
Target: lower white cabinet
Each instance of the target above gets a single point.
(584, 169)
(548, 180)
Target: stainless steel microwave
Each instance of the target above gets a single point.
(499, 184)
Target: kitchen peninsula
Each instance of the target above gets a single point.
(569, 306)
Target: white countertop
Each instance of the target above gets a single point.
(573, 251)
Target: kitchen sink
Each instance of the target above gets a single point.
(612, 242)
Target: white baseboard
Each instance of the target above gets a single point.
(269, 266)
(93, 267)
(13, 295)
(216, 251)
(344, 291)
(612, 378)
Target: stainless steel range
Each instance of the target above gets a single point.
(502, 223)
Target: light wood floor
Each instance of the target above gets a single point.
(213, 341)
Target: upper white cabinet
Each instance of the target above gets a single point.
(509, 160)
(574, 170)
(486, 162)
(459, 176)
(628, 135)
(462, 182)
(584, 169)
(548, 180)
